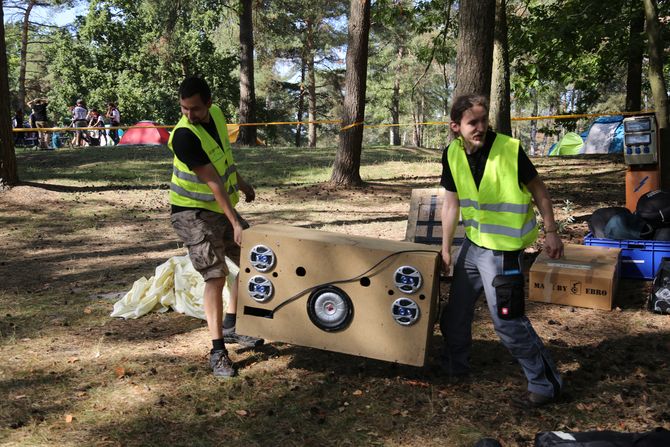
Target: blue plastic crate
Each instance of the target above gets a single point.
(639, 259)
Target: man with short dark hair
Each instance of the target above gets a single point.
(490, 182)
(39, 107)
(203, 193)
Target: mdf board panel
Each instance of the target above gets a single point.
(348, 286)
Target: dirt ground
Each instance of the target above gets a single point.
(73, 376)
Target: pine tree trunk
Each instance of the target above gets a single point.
(23, 62)
(658, 88)
(445, 78)
(8, 170)
(533, 125)
(499, 114)
(311, 86)
(346, 169)
(635, 55)
(301, 103)
(395, 103)
(247, 134)
(394, 131)
(475, 47)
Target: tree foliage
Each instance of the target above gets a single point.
(565, 56)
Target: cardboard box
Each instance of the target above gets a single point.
(584, 277)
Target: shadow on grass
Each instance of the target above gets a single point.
(356, 221)
(327, 398)
(114, 187)
(137, 164)
(19, 409)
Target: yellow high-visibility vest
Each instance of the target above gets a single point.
(186, 189)
(499, 215)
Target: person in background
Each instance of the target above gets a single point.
(79, 119)
(17, 123)
(97, 120)
(114, 120)
(489, 183)
(41, 119)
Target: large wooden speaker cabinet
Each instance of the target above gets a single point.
(356, 295)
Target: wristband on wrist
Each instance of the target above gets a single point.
(555, 230)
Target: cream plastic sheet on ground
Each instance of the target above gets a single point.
(176, 285)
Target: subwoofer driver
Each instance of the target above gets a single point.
(330, 308)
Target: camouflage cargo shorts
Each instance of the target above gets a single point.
(209, 239)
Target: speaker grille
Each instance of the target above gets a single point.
(405, 311)
(260, 288)
(407, 279)
(262, 258)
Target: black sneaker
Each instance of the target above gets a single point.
(533, 400)
(221, 364)
(230, 336)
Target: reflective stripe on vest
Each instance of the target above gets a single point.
(186, 188)
(195, 179)
(201, 196)
(502, 230)
(498, 215)
(500, 207)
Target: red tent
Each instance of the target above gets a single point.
(144, 133)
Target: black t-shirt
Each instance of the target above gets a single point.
(477, 162)
(40, 112)
(188, 149)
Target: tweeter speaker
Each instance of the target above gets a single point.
(350, 294)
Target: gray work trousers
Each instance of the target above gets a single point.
(474, 271)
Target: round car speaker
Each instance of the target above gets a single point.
(405, 311)
(260, 288)
(262, 258)
(330, 309)
(407, 279)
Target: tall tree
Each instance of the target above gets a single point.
(395, 99)
(32, 33)
(500, 114)
(635, 56)
(247, 134)
(308, 57)
(301, 105)
(24, 52)
(305, 37)
(8, 170)
(474, 58)
(346, 169)
(658, 86)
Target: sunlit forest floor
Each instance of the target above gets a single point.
(87, 223)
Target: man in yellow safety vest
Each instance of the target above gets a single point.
(490, 182)
(203, 194)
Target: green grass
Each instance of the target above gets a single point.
(150, 166)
